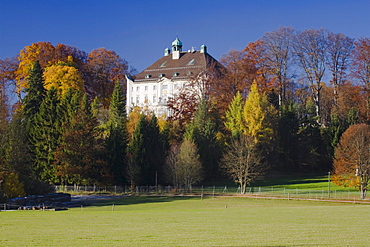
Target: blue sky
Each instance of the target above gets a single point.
(139, 31)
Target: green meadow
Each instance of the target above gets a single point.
(190, 221)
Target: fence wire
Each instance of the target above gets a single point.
(216, 191)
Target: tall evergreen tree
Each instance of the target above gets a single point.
(3, 128)
(17, 155)
(203, 132)
(116, 141)
(45, 137)
(287, 135)
(35, 93)
(156, 145)
(79, 157)
(135, 154)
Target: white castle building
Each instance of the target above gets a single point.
(166, 77)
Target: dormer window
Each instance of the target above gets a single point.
(164, 64)
(191, 62)
(176, 74)
(148, 76)
(161, 75)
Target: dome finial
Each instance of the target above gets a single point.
(177, 45)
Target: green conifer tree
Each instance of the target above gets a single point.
(45, 137)
(35, 93)
(80, 156)
(203, 132)
(116, 142)
(135, 153)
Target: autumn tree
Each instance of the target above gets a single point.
(47, 55)
(259, 116)
(352, 158)
(183, 106)
(104, 68)
(237, 75)
(241, 161)
(63, 76)
(11, 186)
(41, 51)
(190, 170)
(234, 119)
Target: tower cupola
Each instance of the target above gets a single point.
(176, 49)
(177, 45)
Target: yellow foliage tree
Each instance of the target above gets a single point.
(259, 116)
(41, 51)
(133, 119)
(12, 187)
(63, 77)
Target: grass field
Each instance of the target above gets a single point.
(189, 221)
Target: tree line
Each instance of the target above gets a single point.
(281, 104)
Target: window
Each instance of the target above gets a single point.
(148, 76)
(191, 62)
(164, 64)
(154, 98)
(165, 87)
(132, 89)
(154, 87)
(137, 89)
(146, 88)
(137, 99)
(146, 98)
(176, 74)
(161, 75)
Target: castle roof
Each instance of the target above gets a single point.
(189, 63)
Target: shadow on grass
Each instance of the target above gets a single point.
(289, 180)
(130, 200)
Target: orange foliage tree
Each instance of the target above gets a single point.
(47, 55)
(104, 68)
(352, 158)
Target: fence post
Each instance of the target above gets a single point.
(202, 193)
